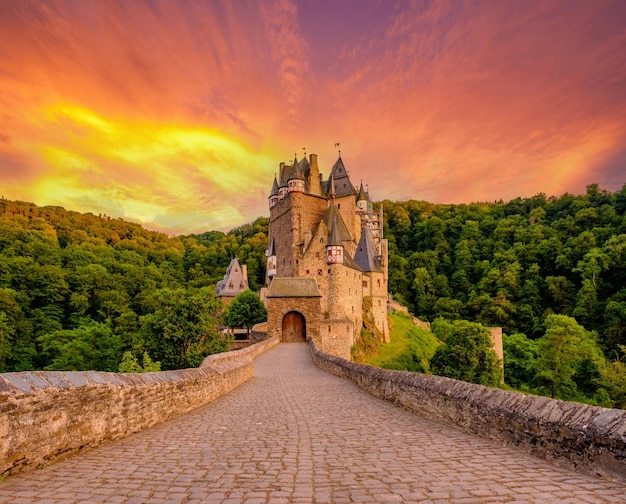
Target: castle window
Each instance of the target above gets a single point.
(297, 261)
(364, 283)
(379, 282)
(329, 271)
(338, 206)
(322, 240)
(317, 255)
(328, 327)
(319, 272)
(307, 272)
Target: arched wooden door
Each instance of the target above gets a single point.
(294, 327)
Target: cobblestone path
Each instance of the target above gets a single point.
(296, 434)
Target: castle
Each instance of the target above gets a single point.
(327, 260)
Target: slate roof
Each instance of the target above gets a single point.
(334, 237)
(329, 217)
(366, 253)
(235, 280)
(343, 186)
(274, 187)
(305, 166)
(294, 287)
(362, 195)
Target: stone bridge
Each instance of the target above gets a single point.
(296, 434)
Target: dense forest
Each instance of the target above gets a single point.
(550, 271)
(79, 290)
(512, 264)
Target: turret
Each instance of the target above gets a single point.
(334, 247)
(295, 183)
(282, 181)
(331, 190)
(361, 199)
(271, 261)
(274, 194)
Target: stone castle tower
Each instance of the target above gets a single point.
(326, 258)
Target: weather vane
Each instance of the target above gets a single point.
(337, 144)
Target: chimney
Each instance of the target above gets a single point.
(314, 176)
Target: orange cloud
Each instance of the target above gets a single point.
(176, 114)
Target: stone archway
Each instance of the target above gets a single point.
(293, 327)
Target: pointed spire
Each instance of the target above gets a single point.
(331, 188)
(334, 237)
(282, 177)
(362, 195)
(275, 194)
(297, 171)
(272, 251)
(334, 247)
(296, 180)
(343, 186)
(366, 252)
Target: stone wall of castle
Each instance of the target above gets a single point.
(291, 219)
(313, 263)
(375, 286)
(277, 308)
(47, 415)
(344, 298)
(337, 336)
(586, 437)
(347, 209)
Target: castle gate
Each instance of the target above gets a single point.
(294, 309)
(294, 327)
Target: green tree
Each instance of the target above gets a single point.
(245, 311)
(130, 364)
(6, 335)
(614, 380)
(183, 329)
(520, 356)
(468, 355)
(558, 350)
(89, 347)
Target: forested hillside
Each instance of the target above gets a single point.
(540, 268)
(512, 264)
(77, 290)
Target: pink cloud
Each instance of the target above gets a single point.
(444, 101)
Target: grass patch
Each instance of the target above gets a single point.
(410, 349)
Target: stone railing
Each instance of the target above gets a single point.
(590, 438)
(47, 415)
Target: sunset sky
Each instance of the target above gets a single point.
(176, 114)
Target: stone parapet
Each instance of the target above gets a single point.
(48, 415)
(590, 438)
